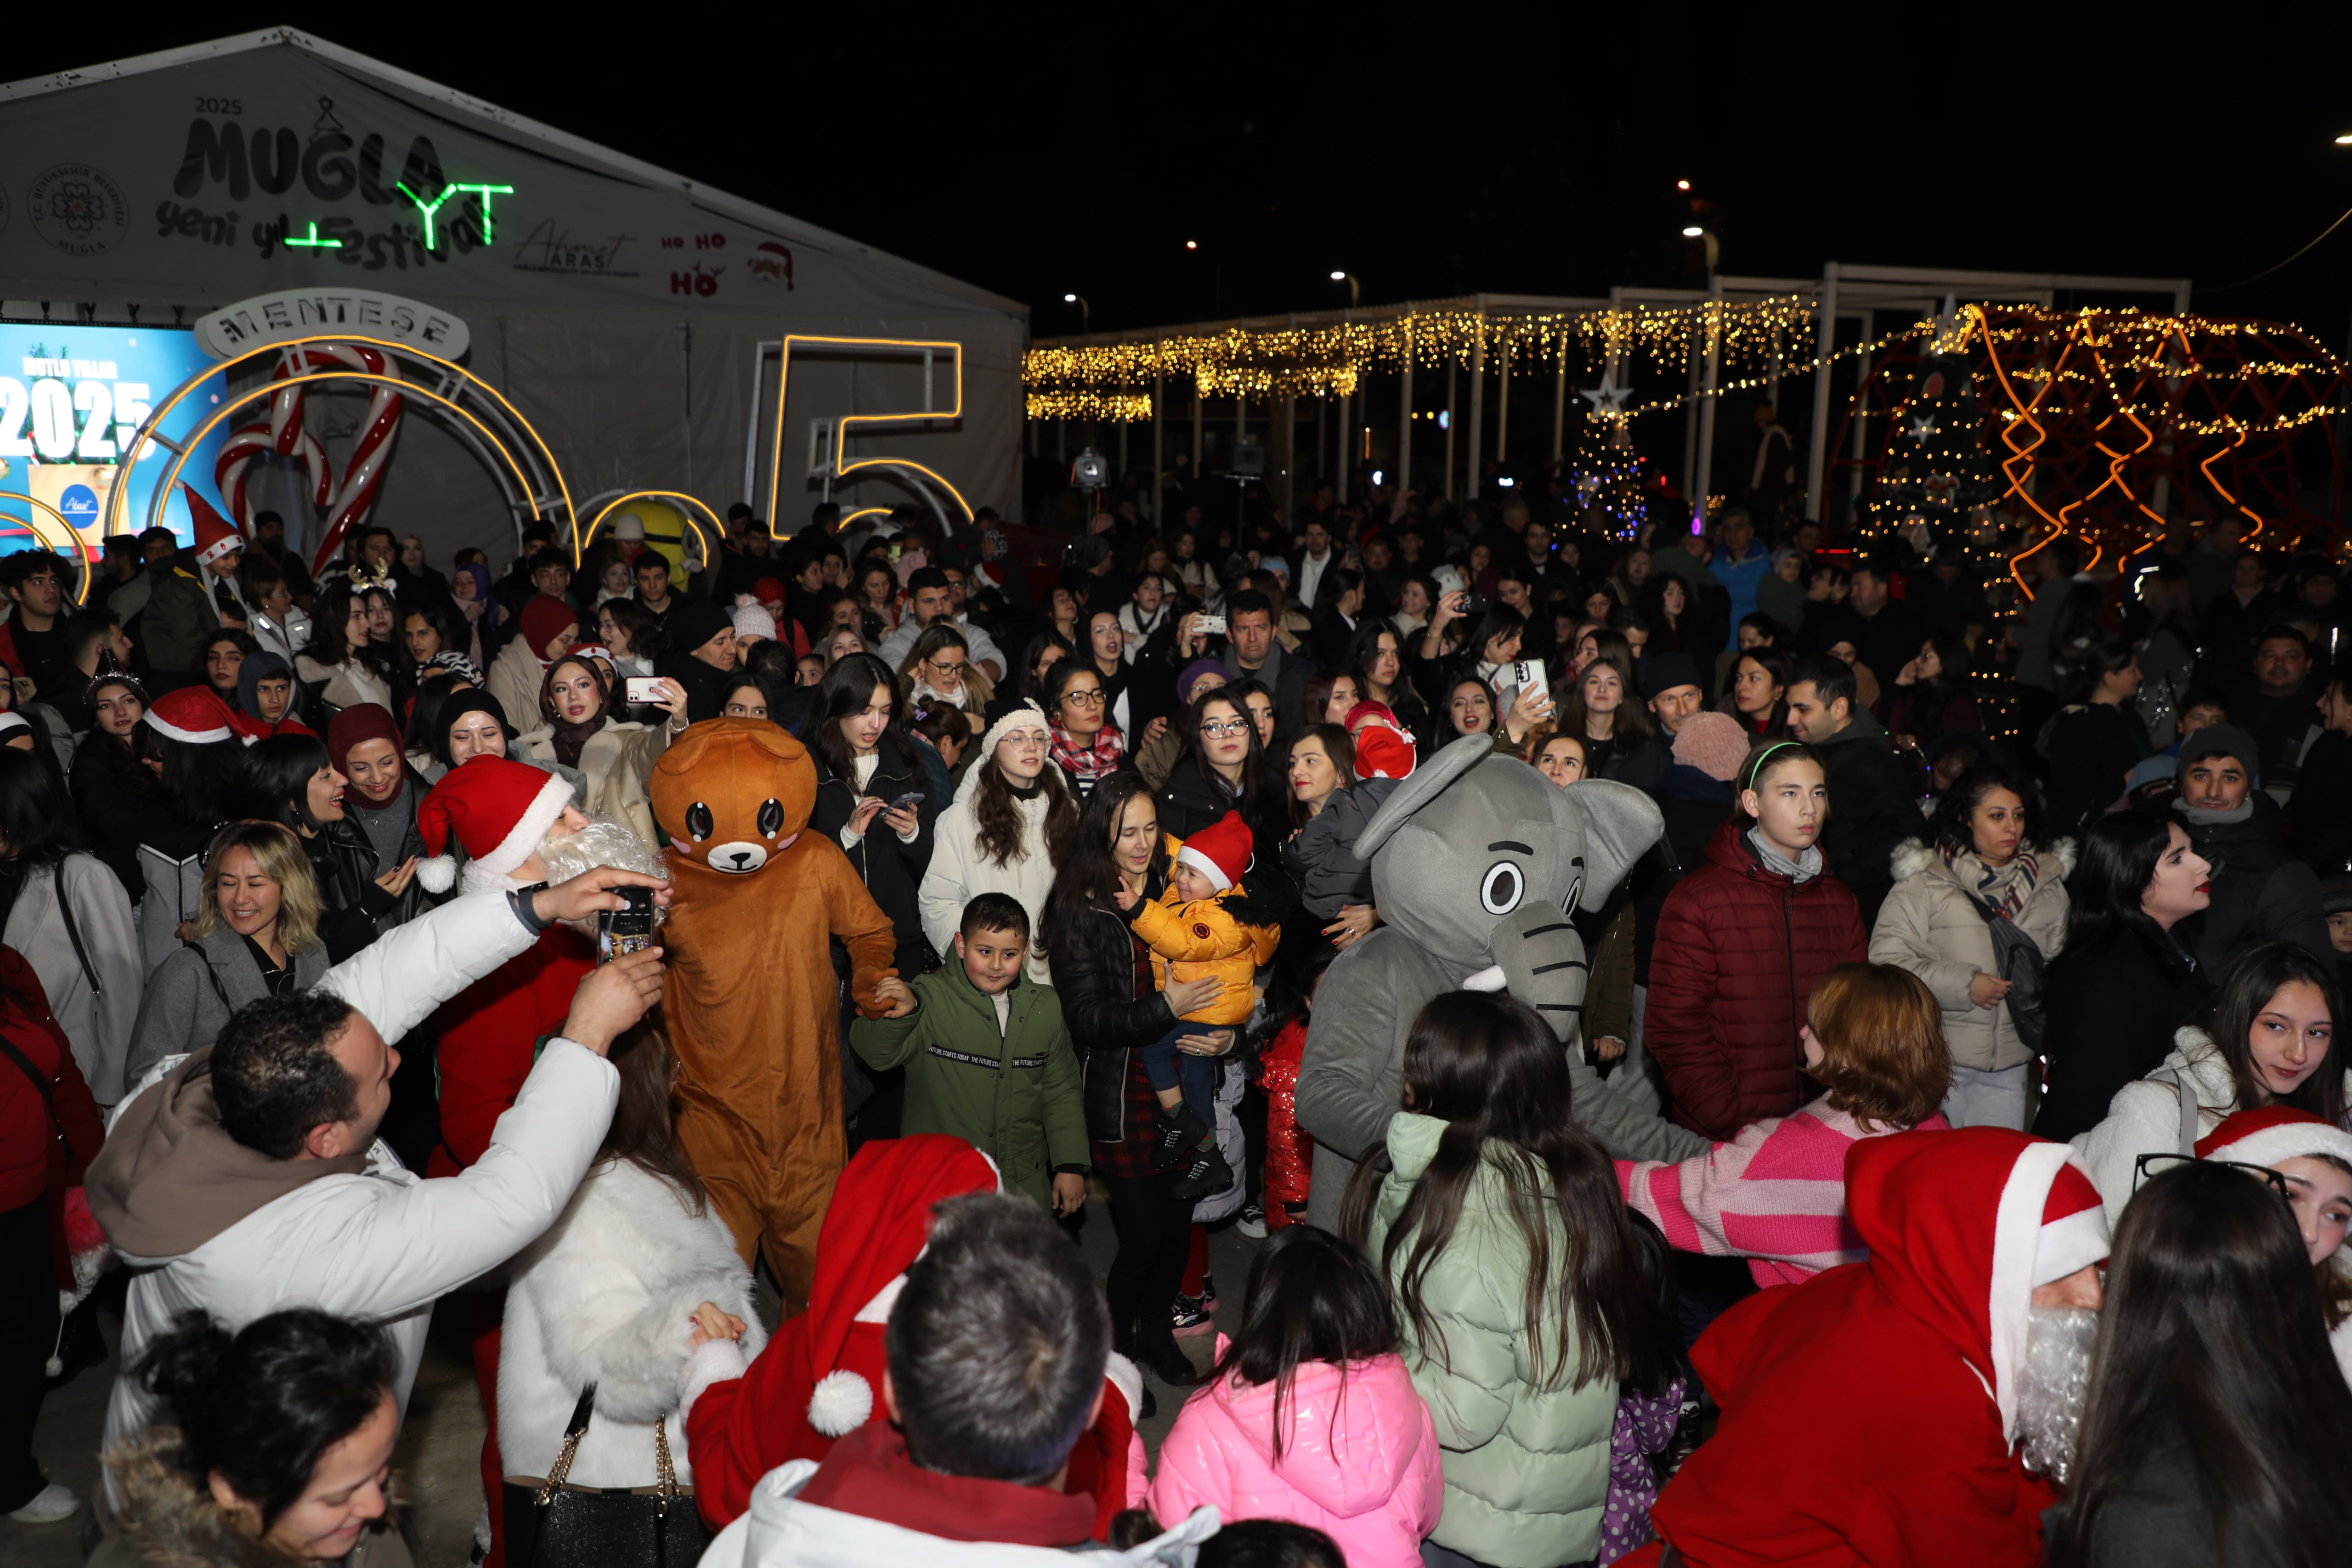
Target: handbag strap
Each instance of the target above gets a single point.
(204, 962)
(73, 931)
(666, 1487)
(2189, 1109)
(48, 1092)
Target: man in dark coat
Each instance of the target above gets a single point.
(2260, 892)
(1874, 793)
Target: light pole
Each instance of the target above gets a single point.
(1085, 317)
(1354, 289)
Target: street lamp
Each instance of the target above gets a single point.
(1085, 317)
(1354, 289)
(1693, 231)
(2345, 140)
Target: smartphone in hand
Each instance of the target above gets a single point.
(638, 689)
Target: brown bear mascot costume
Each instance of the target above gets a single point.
(749, 1000)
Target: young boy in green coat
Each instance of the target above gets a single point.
(988, 1058)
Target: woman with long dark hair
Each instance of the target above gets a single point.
(2217, 1428)
(1934, 923)
(1519, 1290)
(1376, 658)
(1089, 745)
(1101, 972)
(2125, 983)
(1028, 685)
(278, 1449)
(68, 916)
(1605, 706)
(2266, 1037)
(998, 835)
(343, 665)
(581, 726)
(866, 767)
(1931, 692)
(113, 789)
(289, 781)
(2097, 738)
(1760, 686)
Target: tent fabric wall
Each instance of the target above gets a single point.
(619, 308)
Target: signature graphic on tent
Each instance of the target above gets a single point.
(78, 209)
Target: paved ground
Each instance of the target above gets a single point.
(440, 1447)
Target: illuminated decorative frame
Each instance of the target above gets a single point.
(708, 541)
(842, 469)
(146, 435)
(38, 525)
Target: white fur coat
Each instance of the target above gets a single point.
(607, 1295)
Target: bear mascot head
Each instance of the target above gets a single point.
(732, 794)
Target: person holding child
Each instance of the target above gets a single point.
(987, 1057)
(1203, 924)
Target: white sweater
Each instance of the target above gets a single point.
(607, 1295)
(958, 871)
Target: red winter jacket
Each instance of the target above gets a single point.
(27, 1132)
(1740, 950)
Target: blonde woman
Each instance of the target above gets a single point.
(257, 936)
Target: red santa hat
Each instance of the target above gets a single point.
(1221, 851)
(2272, 1134)
(216, 535)
(2074, 1233)
(498, 811)
(195, 714)
(1384, 750)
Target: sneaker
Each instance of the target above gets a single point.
(1179, 1134)
(52, 1503)
(1205, 1177)
(1253, 1222)
(1191, 1316)
(1208, 1290)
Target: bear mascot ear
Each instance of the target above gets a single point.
(1615, 823)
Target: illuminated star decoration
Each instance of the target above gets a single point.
(1922, 428)
(1608, 399)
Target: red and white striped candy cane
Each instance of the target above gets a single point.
(347, 503)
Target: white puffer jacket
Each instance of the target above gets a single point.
(607, 1295)
(1929, 926)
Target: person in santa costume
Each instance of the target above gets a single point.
(2315, 1157)
(819, 1378)
(185, 608)
(515, 826)
(1982, 1241)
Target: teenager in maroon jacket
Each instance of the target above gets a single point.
(1742, 942)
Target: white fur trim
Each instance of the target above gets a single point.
(220, 547)
(711, 1361)
(2016, 1236)
(1911, 857)
(438, 874)
(1188, 855)
(530, 831)
(1128, 1378)
(841, 1403)
(2075, 1242)
(877, 1311)
(2295, 1139)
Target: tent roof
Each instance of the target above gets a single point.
(514, 127)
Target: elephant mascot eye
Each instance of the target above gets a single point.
(698, 822)
(771, 818)
(1499, 893)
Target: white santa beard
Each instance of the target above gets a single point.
(2053, 1378)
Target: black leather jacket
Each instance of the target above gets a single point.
(345, 862)
(1092, 967)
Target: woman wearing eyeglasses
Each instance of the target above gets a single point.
(1087, 743)
(938, 668)
(2265, 1039)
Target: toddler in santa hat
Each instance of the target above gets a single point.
(1204, 924)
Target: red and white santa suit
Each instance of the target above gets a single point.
(2276, 1132)
(820, 1377)
(1870, 1414)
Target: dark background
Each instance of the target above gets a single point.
(1432, 149)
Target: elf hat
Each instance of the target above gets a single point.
(193, 713)
(1221, 851)
(2074, 1228)
(2272, 1134)
(498, 811)
(216, 535)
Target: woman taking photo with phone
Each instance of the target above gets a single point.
(874, 797)
(577, 728)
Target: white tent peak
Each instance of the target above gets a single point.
(517, 127)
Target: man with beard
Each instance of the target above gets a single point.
(1982, 1275)
(516, 826)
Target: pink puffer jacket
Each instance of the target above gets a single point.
(1359, 1458)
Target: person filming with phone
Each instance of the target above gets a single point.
(873, 794)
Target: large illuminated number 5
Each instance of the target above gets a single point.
(832, 455)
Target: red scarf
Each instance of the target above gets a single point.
(1085, 765)
(870, 1474)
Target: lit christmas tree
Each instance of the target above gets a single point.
(1936, 469)
(1602, 468)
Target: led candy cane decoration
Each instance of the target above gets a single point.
(286, 436)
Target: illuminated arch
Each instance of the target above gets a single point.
(38, 524)
(710, 542)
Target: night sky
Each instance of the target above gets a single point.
(1435, 150)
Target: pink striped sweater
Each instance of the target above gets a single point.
(1775, 1194)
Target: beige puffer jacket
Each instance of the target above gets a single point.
(1930, 927)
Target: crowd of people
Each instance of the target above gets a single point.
(1733, 1046)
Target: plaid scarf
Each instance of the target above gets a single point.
(2005, 889)
(1085, 765)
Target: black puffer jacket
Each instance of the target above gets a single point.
(1092, 965)
(891, 869)
(1188, 804)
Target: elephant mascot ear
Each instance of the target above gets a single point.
(1615, 823)
(1424, 786)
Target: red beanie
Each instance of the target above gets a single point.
(542, 618)
(499, 813)
(1221, 851)
(356, 725)
(193, 713)
(768, 591)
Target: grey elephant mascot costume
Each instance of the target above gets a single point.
(1476, 860)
